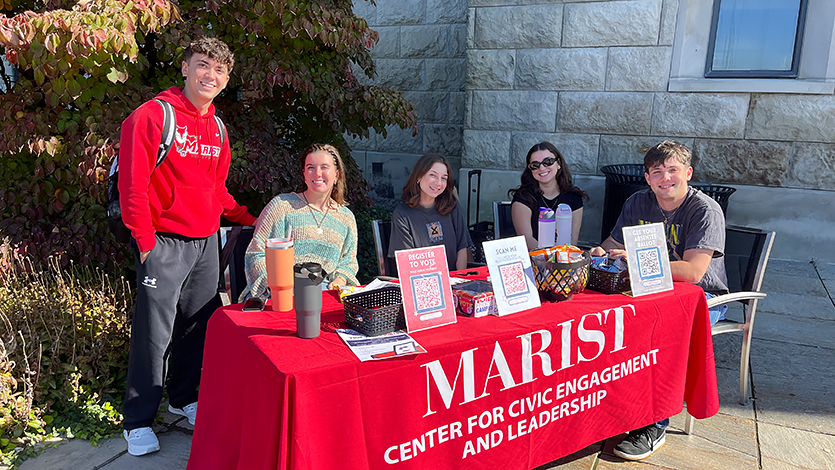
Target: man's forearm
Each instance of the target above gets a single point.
(609, 246)
(685, 272)
(693, 267)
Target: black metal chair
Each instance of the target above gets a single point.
(502, 220)
(237, 275)
(382, 235)
(746, 255)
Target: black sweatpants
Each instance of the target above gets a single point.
(176, 292)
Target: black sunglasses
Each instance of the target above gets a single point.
(546, 162)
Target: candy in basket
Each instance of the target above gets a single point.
(607, 275)
(561, 271)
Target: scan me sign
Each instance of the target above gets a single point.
(476, 403)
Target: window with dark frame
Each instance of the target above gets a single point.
(755, 38)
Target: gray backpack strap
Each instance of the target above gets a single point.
(169, 126)
(221, 129)
(114, 168)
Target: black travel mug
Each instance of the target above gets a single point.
(307, 298)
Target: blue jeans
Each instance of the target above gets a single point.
(716, 313)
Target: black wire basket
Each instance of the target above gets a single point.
(375, 312)
(607, 281)
(560, 281)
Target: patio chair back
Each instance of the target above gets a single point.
(382, 236)
(502, 220)
(746, 256)
(237, 275)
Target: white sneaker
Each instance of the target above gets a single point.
(189, 411)
(141, 441)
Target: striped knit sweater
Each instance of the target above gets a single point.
(335, 249)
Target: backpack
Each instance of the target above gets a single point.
(114, 208)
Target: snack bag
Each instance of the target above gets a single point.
(346, 290)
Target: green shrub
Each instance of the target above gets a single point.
(64, 343)
(83, 69)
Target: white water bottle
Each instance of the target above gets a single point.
(547, 228)
(563, 224)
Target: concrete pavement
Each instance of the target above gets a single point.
(788, 425)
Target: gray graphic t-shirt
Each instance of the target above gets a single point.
(418, 227)
(697, 224)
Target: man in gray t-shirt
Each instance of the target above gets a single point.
(698, 223)
(695, 227)
(694, 222)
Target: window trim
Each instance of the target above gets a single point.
(791, 73)
(816, 71)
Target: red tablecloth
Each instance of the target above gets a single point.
(517, 391)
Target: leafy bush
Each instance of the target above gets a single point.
(64, 342)
(83, 70)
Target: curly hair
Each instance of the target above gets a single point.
(529, 191)
(445, 202)
(338, 191)
(212, 48)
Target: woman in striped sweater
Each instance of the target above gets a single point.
(324, 229)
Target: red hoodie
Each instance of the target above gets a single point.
(185, 195)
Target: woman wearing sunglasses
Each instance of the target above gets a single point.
(429, 214)
(546, 182)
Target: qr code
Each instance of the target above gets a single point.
(649, 263)
(427, 293)
(513, 278)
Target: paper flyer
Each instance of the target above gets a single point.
(458, 280)
(366, 348)
(647, 259)
(511, 274)
(426, 288)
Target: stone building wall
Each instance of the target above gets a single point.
(593, 78)
(421, 51)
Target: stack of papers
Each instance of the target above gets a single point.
(374, 348)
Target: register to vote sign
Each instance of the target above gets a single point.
(426, 288)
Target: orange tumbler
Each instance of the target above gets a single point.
(280, 261)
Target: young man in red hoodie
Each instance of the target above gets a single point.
(173, 212)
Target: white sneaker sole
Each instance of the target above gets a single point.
(136, 450)
(179, 412)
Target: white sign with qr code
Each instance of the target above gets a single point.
(647, 258)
